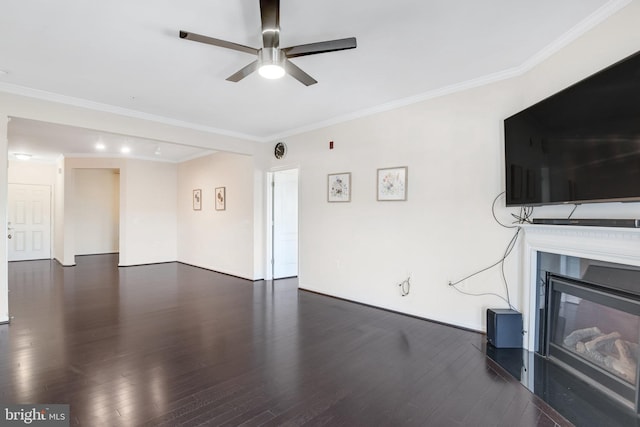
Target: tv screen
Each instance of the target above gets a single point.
(579, 145)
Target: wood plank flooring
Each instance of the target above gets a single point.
(172, 345)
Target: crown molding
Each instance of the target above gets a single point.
(576, 31)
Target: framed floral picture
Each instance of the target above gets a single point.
(221, 198)
(392, 184)
(197, 199)
(339, 187)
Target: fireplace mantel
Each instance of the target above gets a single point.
(611, 244)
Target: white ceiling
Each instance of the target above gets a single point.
(127, 54)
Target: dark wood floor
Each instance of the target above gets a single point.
(170, 344)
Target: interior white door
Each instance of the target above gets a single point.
(285, 224)
(29, 222)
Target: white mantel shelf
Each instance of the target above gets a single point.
(613, 244)
(619, 245)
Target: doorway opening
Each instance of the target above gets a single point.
(283, 213)
(97, 223)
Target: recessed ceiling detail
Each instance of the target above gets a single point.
(46, 142)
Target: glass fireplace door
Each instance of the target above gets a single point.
(595, 331)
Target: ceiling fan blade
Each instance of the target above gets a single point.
(270, 15)
(217, 42)
(320, 47)
(298, 74)
(244, 72)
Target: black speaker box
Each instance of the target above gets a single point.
(504, 328)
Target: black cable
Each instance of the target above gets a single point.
(510, 247)
(405, 287)
(508, 250)
(493, 212)
(523, 217)
(477, 272)
(483, 294)
(575, 206)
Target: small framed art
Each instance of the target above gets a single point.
(339, 187)
(221, 198)
(392, 184)
(197, 199)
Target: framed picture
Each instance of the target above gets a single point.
(339, 187)
(392, 184)
(221, 198)
(197, 199)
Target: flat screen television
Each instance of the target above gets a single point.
(580, 145)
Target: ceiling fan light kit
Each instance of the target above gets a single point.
(22, 156)
(273, 62)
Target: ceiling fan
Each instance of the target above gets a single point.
(273, 61)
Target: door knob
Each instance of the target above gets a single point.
(9, 236)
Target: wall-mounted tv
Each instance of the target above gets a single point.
(579, 145)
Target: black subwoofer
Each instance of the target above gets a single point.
(504, 328)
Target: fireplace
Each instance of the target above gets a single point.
(593, 330)
(580, 295)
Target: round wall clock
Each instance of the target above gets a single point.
(280, 150)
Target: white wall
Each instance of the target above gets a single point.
(259, 218)
(453, 147)
(97, 223)
(58, 214)
(147, 221)
(363, 249)
(148, 212)
(27, 172)
(4, 288)
(218, 240)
